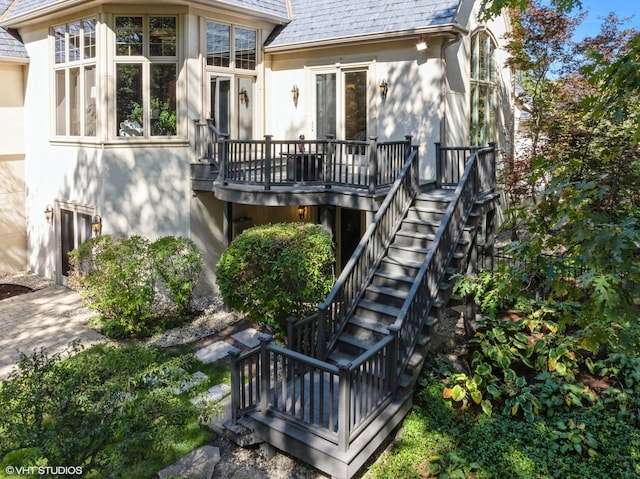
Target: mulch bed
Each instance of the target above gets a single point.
(9, 290)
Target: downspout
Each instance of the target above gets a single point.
(443, 85)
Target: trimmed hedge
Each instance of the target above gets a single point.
(274, 271)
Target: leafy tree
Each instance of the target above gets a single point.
(275, 271)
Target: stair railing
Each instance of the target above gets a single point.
(421, 297)
(349, 288)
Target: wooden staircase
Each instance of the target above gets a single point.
(392, 281)
(345, 380)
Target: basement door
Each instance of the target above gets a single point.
(74, 227)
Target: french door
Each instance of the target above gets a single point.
(231, 102)
(341, 103)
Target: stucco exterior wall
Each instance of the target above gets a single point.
(412, 106)
(13, 233)
(135, 188)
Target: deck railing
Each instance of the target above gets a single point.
(332, 402)
(452, 160)
(208, 142)
(367, 165)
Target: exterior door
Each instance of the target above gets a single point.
(341, 106)
(231, 104)
(74, 228)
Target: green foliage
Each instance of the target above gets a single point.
(438, 441)
(275, 271)
(110, 410)
(122, 279)
(178, 264)
(163, 118)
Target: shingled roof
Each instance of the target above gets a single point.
(315, 21)
(277, 8)
(11, 45)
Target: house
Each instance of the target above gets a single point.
(199, 118)
(92, 69)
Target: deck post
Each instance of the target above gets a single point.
(321, 340)
(265, 372)
(291, 341)
(234, 354)
(344, 405)
(223, 157)
(328, 161)
(438, 165)
(392, 358)
(267, 162)
(373, 164)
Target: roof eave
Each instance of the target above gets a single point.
(453, 29)
(36, 15)
(17, 60)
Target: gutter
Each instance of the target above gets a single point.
(450, 29)
(35, 15)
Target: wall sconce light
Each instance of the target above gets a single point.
(384, 89)
(295, 93)
(48, 214)
(421, 45)
(244, 97)
(301, 212)
(96, 225)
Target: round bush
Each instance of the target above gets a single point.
(274, 271)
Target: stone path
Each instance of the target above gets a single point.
(49, 318)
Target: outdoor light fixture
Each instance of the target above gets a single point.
(48, 214)
(384, 89)
(421, 45)
(295, 93)
(244, 97)
(301, 212)
(96, 225)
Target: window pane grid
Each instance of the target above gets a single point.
(245, 48)
(162, 36)
(218, 44)
(75, 87)
(129, 36)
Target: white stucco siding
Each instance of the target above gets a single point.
(136, 188)
(412, 106)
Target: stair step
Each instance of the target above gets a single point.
(400, 281)
(415, 360)
(360, 343)
(368, 323)
(386, 291)
(340, 356)
(379, 308)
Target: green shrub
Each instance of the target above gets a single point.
(125, 280)
(275, 271)
(178, 265)
(110, 410)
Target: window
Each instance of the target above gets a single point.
(146, 74)
(75, 78)
(483, 89)
(219, 41)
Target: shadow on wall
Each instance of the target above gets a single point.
(13, 225)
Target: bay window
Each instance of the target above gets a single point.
(146, 75)
(75, 78)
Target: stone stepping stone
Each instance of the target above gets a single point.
(196, 378)
(248, 337)
(198, 464)
(213, 352)
(213, 394)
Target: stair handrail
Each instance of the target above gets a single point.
(422, 295)
(350, 285)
